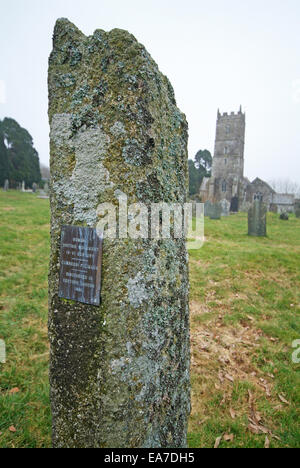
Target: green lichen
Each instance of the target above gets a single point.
(119, 372)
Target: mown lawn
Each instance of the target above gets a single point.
(24, 252)
(245, 304)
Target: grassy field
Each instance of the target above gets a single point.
(245, 305)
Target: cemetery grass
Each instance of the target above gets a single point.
(245, 304)
(24, 253)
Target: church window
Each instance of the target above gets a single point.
(228, 129)
(258, 196)
(225, 150)
(225, 161)
(224, 186)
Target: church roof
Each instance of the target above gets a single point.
(260, 181)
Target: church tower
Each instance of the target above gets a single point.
(228, 160)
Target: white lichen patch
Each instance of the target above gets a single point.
(137, 291)
(61, 129)
(89, 178)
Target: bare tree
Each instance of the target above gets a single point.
(285, 186)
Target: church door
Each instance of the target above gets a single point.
(234, 207)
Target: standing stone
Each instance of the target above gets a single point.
(6, 185)
(257, 219)
(225, 207)
(119, 373)
(215, 211)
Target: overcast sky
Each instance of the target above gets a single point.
(216, 53)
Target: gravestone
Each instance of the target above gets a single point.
(245, 206)
(215, 211)
(297, 210)
(284, 216)
(6, 185)
(225, 207)
(119, 367)
(46, 188)
(23, 186)
(257, 219)
(207, 208)
(2, 352)
(34, 187)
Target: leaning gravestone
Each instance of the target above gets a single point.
(215, 211)
(257, 219)
(119, 371)
(225, 207)
(6, 185)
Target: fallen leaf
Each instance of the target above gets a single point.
(257, 428)
(202, 422)
(228, 377)
(257, 417)
(223, 400)
(228, 437)
(232, 413)
(251, 398)
(281, 398)
(218, 441)
(14, 390)
(253, 428)
(267, 443)
(12, 429)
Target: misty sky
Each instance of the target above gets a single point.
(216, 53)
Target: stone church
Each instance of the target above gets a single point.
(227, 180)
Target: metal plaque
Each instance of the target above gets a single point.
(80, 265)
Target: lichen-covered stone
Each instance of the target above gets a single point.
(119, 372)
(257, 219)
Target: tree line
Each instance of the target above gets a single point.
(19, 160)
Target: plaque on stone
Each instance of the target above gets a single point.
(80, 265)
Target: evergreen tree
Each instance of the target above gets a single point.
(4, 174)
(198, 169)
(23, 159)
